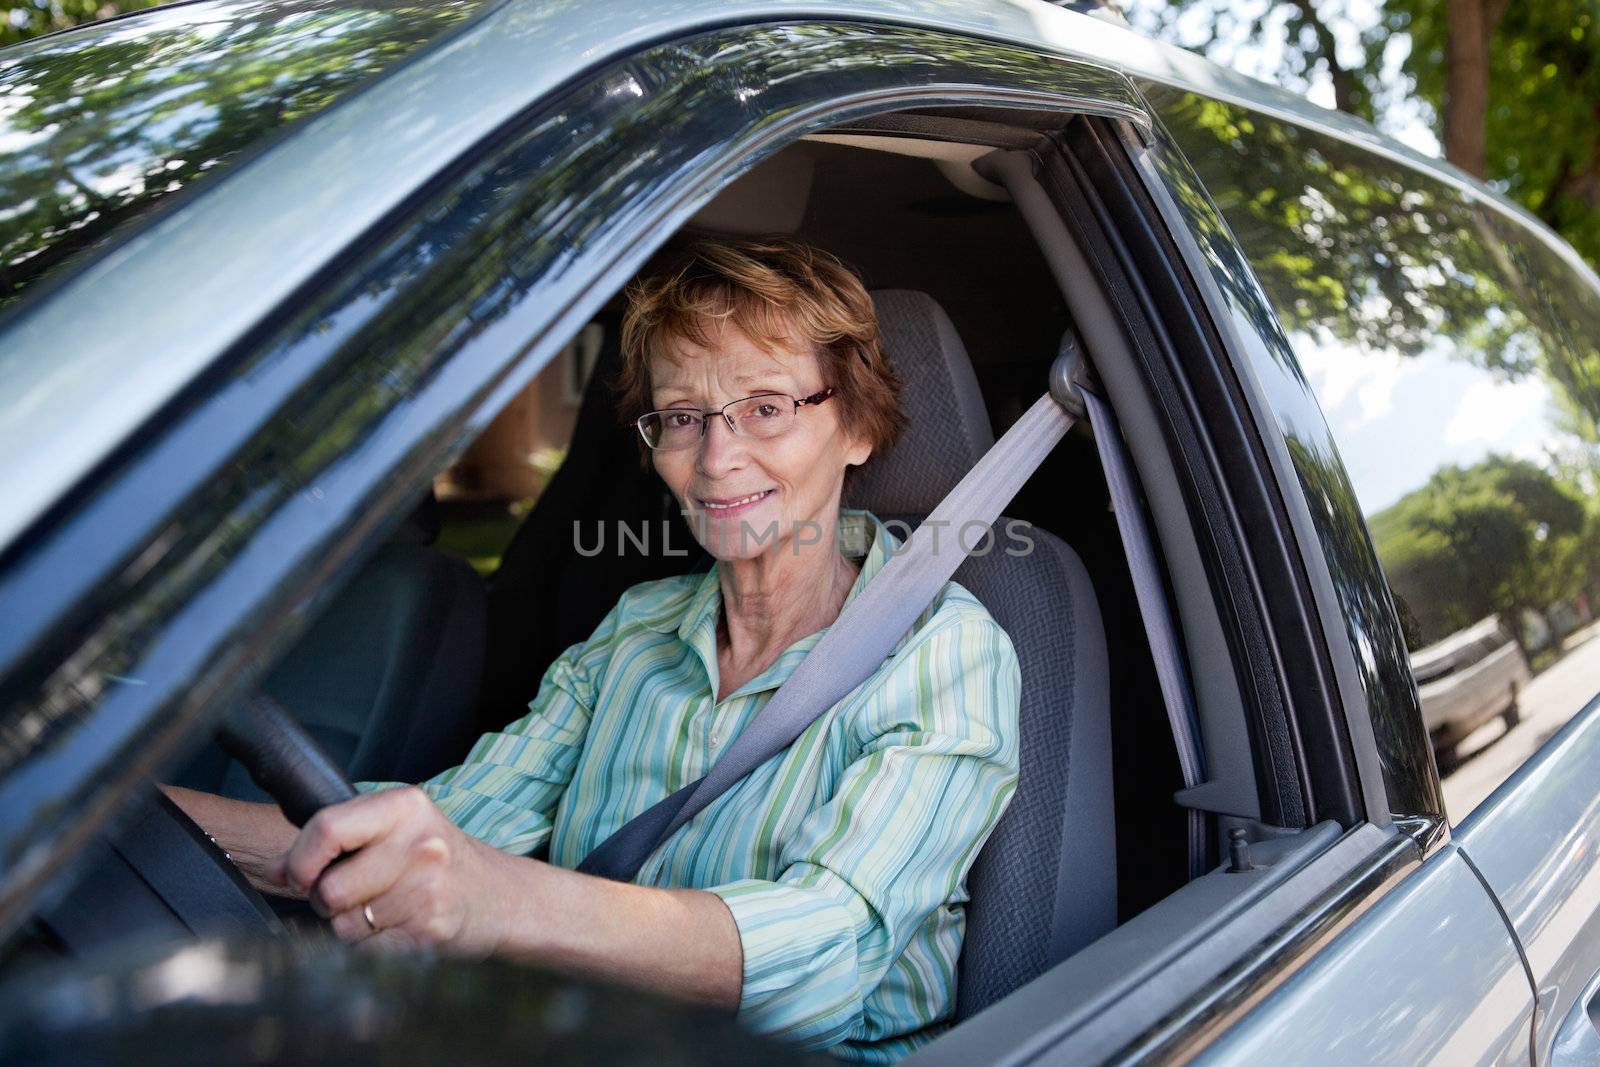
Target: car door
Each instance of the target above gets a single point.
(1536, 835)
(1477, 371)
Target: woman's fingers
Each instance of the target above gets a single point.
(347, 827)
(406, 874)
(359, 877)
(378, 868)
(420, 910)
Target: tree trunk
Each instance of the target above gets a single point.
(1466, 102)
(1347, 93)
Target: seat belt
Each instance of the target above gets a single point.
(1159, 628)
(867, 631)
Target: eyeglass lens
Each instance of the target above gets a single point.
(756, 416)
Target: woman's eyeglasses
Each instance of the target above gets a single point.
(762, 416)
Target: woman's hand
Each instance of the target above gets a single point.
(429, 884)
(408, 877)
(254, 835)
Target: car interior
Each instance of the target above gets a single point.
(418, 654)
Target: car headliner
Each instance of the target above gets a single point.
(179, 292)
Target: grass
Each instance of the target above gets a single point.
(479, 533)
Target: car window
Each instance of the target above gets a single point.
(1451, 349)
(101, 124)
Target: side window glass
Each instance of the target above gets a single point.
(1453, 354)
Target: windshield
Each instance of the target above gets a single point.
(101, 124)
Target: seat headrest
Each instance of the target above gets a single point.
(948, 427)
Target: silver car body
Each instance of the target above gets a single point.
(1478, 945)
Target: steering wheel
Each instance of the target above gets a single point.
(160, 874)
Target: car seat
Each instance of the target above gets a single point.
(1044, 884)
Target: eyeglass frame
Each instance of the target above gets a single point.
(705, 415)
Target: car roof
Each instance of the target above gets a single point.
(103, 122)
(191, 283)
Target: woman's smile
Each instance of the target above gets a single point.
(728, 506)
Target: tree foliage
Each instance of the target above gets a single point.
(1533, 101)
(23, 21)
(1356, 249)
(100, 126)
(1499, 537)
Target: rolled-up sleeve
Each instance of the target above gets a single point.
(505, 793)
(884, 860)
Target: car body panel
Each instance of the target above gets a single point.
(1536, 841)
(1429, 975)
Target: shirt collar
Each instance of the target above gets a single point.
(861, 535)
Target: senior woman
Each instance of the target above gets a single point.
(822, 896)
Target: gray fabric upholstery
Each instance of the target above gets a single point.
(949, 427)
(1044, 884)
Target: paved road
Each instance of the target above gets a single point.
(1493, 753)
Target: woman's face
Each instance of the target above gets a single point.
(743, 496)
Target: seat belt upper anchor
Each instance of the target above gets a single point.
(1069, 375)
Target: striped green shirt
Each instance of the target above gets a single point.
(843, 860)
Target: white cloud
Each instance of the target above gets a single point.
(1490, 410)
(1341, 373)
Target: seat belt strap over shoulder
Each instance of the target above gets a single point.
(872, 625)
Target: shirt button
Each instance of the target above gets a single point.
(716, 737)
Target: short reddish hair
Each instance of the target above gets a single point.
(776, 291)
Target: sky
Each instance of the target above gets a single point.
(1397, 419)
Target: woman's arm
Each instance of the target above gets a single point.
(425, 882)
(255, 835)
(532, 760)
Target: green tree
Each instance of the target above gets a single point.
(22, 21)
(1355, 249)
(1511, 90)
(102, 125)
(1500, 537)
